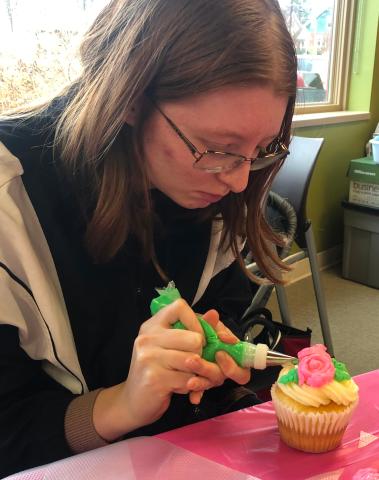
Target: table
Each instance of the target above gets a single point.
(248, 441)
(239, 446)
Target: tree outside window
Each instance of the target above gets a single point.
(311, 25)
(39, 40)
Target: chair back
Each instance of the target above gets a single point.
(281, 217)
(293, 179)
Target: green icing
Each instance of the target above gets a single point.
(340, 373)
(290, 377)
(240, 351)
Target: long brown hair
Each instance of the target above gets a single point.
(169, 50)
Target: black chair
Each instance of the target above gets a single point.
(292, 184)
(281, 216)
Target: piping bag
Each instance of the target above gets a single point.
(245, 354)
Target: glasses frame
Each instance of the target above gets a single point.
(240, 159)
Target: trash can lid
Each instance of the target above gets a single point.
(363, 208)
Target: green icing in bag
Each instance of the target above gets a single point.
(244, 353)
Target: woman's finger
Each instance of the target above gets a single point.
(225, 334)
(231, 370)
(175, 339)
(206, 369)
(179, 361)
(212, 317)
(167, 316)
(198, 384)
(180, 310)
(176, 382)
(195, 397)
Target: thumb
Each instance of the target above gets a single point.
(179, 310)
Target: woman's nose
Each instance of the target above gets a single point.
(237, 178)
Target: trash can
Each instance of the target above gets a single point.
(361, 244)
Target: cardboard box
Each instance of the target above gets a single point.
(364, 182)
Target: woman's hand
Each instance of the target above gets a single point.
(164, 361)
(226, 366)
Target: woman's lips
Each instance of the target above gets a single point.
(209, 197)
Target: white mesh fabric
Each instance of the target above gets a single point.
(135, 459)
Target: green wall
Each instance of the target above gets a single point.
(329, 185)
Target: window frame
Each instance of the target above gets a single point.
(340, 61)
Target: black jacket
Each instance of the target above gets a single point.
(67, 325)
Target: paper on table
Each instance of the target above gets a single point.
(142, 458)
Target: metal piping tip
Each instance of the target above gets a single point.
(277, 358)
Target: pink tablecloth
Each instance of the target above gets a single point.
(248, 441)
(243, 445)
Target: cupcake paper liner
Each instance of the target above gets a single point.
(311, 431)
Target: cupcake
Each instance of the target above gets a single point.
(314, 399)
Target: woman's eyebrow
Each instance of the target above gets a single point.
(218, 133)
(231, 135)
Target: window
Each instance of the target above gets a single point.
(38, 39)
(322, 31)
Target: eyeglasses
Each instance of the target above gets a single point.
(212, 161)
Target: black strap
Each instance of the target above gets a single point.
(270, 334)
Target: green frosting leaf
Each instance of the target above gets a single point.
(341, 372)
(290, 377)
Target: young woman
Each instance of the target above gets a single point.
(154, 165)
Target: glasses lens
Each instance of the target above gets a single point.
(218, 162)
(264, 162)
(272, 154)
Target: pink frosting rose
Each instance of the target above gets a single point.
(315, 366)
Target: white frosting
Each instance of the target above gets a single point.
(341, 393)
